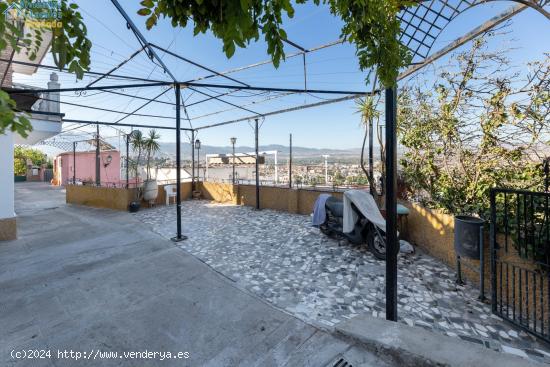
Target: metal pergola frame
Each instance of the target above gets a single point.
(420, 27)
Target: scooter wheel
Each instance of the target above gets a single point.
(328, 232)
(376, 244)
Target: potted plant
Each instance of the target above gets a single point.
(138, 142)
(151, 146)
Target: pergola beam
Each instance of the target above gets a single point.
(153, 53)
(141, 39)
(104, 123)
(83, 89)
(195, 63)
(211, 98)
(291, 109)
(270, 61)
(270, 89)
(185, 85)
(223, 101)
(94, 73)
(266, 62)
(121, 64)
(207, 69)
(107, 109)
(142, 106)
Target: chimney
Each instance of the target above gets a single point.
(53, 103)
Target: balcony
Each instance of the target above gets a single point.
(45, 117)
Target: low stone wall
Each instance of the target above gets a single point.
(115, 198)
(99, 197)
(432, 230)
(307, 197)
(219, 192)
(8, 229)
(298, 201)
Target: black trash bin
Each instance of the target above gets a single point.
(469, 243)
(468, 236)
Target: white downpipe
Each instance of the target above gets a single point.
(7, 186)
(276, 169)
(326, 168)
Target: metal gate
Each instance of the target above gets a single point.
(520, 259)
(48, 174)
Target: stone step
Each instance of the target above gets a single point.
(412, 346)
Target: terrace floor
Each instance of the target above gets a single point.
(281, 258)
(100, 283)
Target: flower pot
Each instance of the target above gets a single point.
(133, 207)
(150, 190)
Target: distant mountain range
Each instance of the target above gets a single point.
(297, 152)
(168, 150)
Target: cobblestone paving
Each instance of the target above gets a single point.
(281, 258)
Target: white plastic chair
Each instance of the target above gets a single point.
(170, 191)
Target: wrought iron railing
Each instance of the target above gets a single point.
(520, 258)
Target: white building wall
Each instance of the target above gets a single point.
(167, 174)
(7, 209)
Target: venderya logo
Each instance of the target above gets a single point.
(36, 14)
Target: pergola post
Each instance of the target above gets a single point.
(290, 163)
(179, 237)
(192, 160)
(233, 141)
(371, 156)
(74, 162)
(257, 165)
(392, 244)
(128, 160)
(97, 158)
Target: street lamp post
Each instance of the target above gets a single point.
(198, 148)
(233, 141)
(97, 158)
(326, 168)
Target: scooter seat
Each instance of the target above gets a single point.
(336, 206)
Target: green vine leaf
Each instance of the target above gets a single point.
(371, 25)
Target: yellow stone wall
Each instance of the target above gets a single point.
(218, 192)
(99, 197)
(114, 198)
(299, 201)
(8, 229)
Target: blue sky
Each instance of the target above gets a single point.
(333, 126)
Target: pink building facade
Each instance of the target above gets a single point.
(65, 163)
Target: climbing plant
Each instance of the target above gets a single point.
(483, 124)
(70, 47)
(371, 25)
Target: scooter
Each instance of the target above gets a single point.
(364, 230)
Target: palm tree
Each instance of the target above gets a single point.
(151, 146)
(138, 144)
(367, 108)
